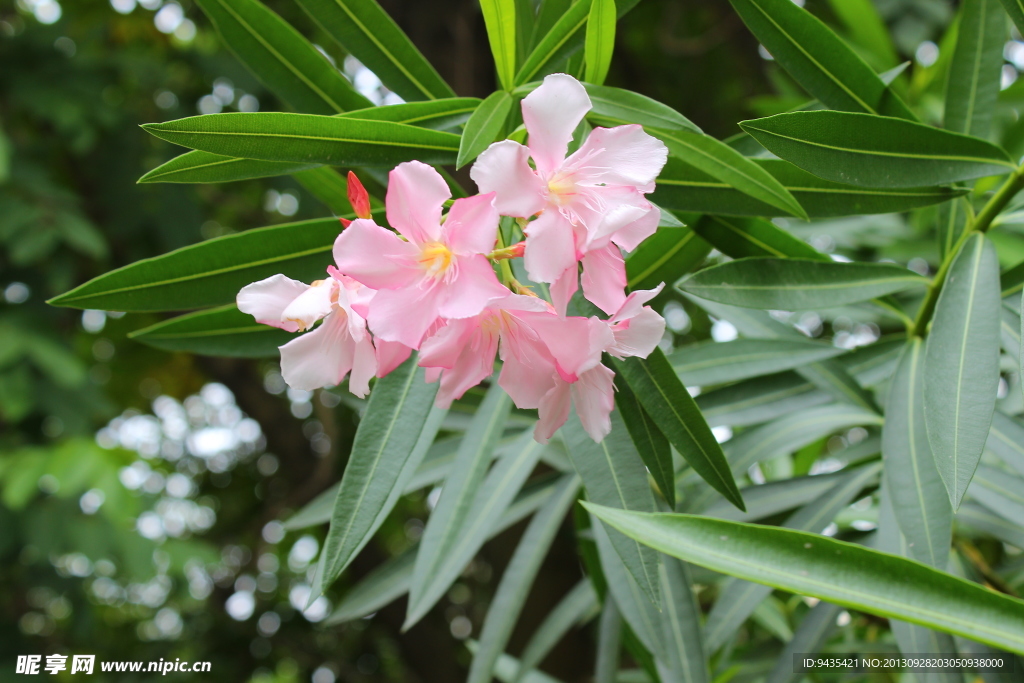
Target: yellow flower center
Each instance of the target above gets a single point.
(561, 188)
(435, 259)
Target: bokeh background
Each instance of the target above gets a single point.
(141, 492)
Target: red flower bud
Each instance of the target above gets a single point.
(358, 196)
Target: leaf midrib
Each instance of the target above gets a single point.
(293, 136)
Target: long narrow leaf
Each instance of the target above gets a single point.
(681, 622)
(484, 126)
(713, 362)
(570, 610)
(976, 68)
(665, 256)
(600, 40)
(221, 331)
(500, 19)
(650, 442)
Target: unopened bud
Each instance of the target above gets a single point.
(358, 196)
(345, 223)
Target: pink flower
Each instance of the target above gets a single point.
(438, 270)
(340, 345)
(464, 350)
(588, 202)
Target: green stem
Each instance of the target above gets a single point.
(503, 265)
(981, 223)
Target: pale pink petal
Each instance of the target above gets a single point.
(553, 411)
(474, 364)
(594, 398)
(575, 343)
(405, 315)
(614, 218)
(630, 236)
(432, 375)
(376, 257)
(320, 358)
(266, 300)
(624, 155)
(313, 304)
(526, 378)
(350, 295)
(390, 355)
(635, 302)
(364, 367)
(503, 168)
(416, 194)
(442, 349)
(563, 288)
(519, 302)
(471, 226)
(604, 278)
(637, 336)
(472, 289)
(551, 114)
(550, 247)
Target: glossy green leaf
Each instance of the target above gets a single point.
(673, 410)
(810, 636)
(681, 623)
(869, 32)
(452, 534)
(484, 126)
(613, 473)
(518, 577)
(204, 167)
(684, 188)
(738, 599)
(561, 40)
(832, 570)
(609, 642)
(651, 444)
(327, 185)
(1015, 8)
(665, 256)
(577, 604)
(818, 59)
(723, 163)
(917, 493)
(221, 331)
(962, 365)
(952, 219)
(617, 107)
(210, 273)
(742, 237)
(975, 71)
(720, 362)
(281, 58)
(364, 29)
(797, 284)
(600, 40)
(332, 140)
(874, 151)
(399, 425)
(500, 20)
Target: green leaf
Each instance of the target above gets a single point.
(952, 219)
(616, 107)
(739, 599)
(684, 188)
(1006, 440)
(810, 636)
(609, 642)
(221, 331)
(673, 410)
(204, 167)
(451, 527)
(210, 273)
(766, 500)
(399, 425)
(379, 588)
(366, 31)
(797, 284)
(1012, 282)
(918, 496)
(723, 163)
(307, 138)
(600, 41)
(484, 126)
(875, 151)
(327, 185)
(500, 19)
(574, 608)
(741, 237)
(980, 519)
(868, 31)
(713, 362)
(665, 256)
(515, 583)
(651, 444)
(613, 473)
(681, 622)
(759, 400)
(832, 570)
(962, 364)
(1000, 492)
(1015, 8)
(818, 59)
(974, 74)
(281, 58)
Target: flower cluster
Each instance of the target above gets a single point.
(431, 286)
